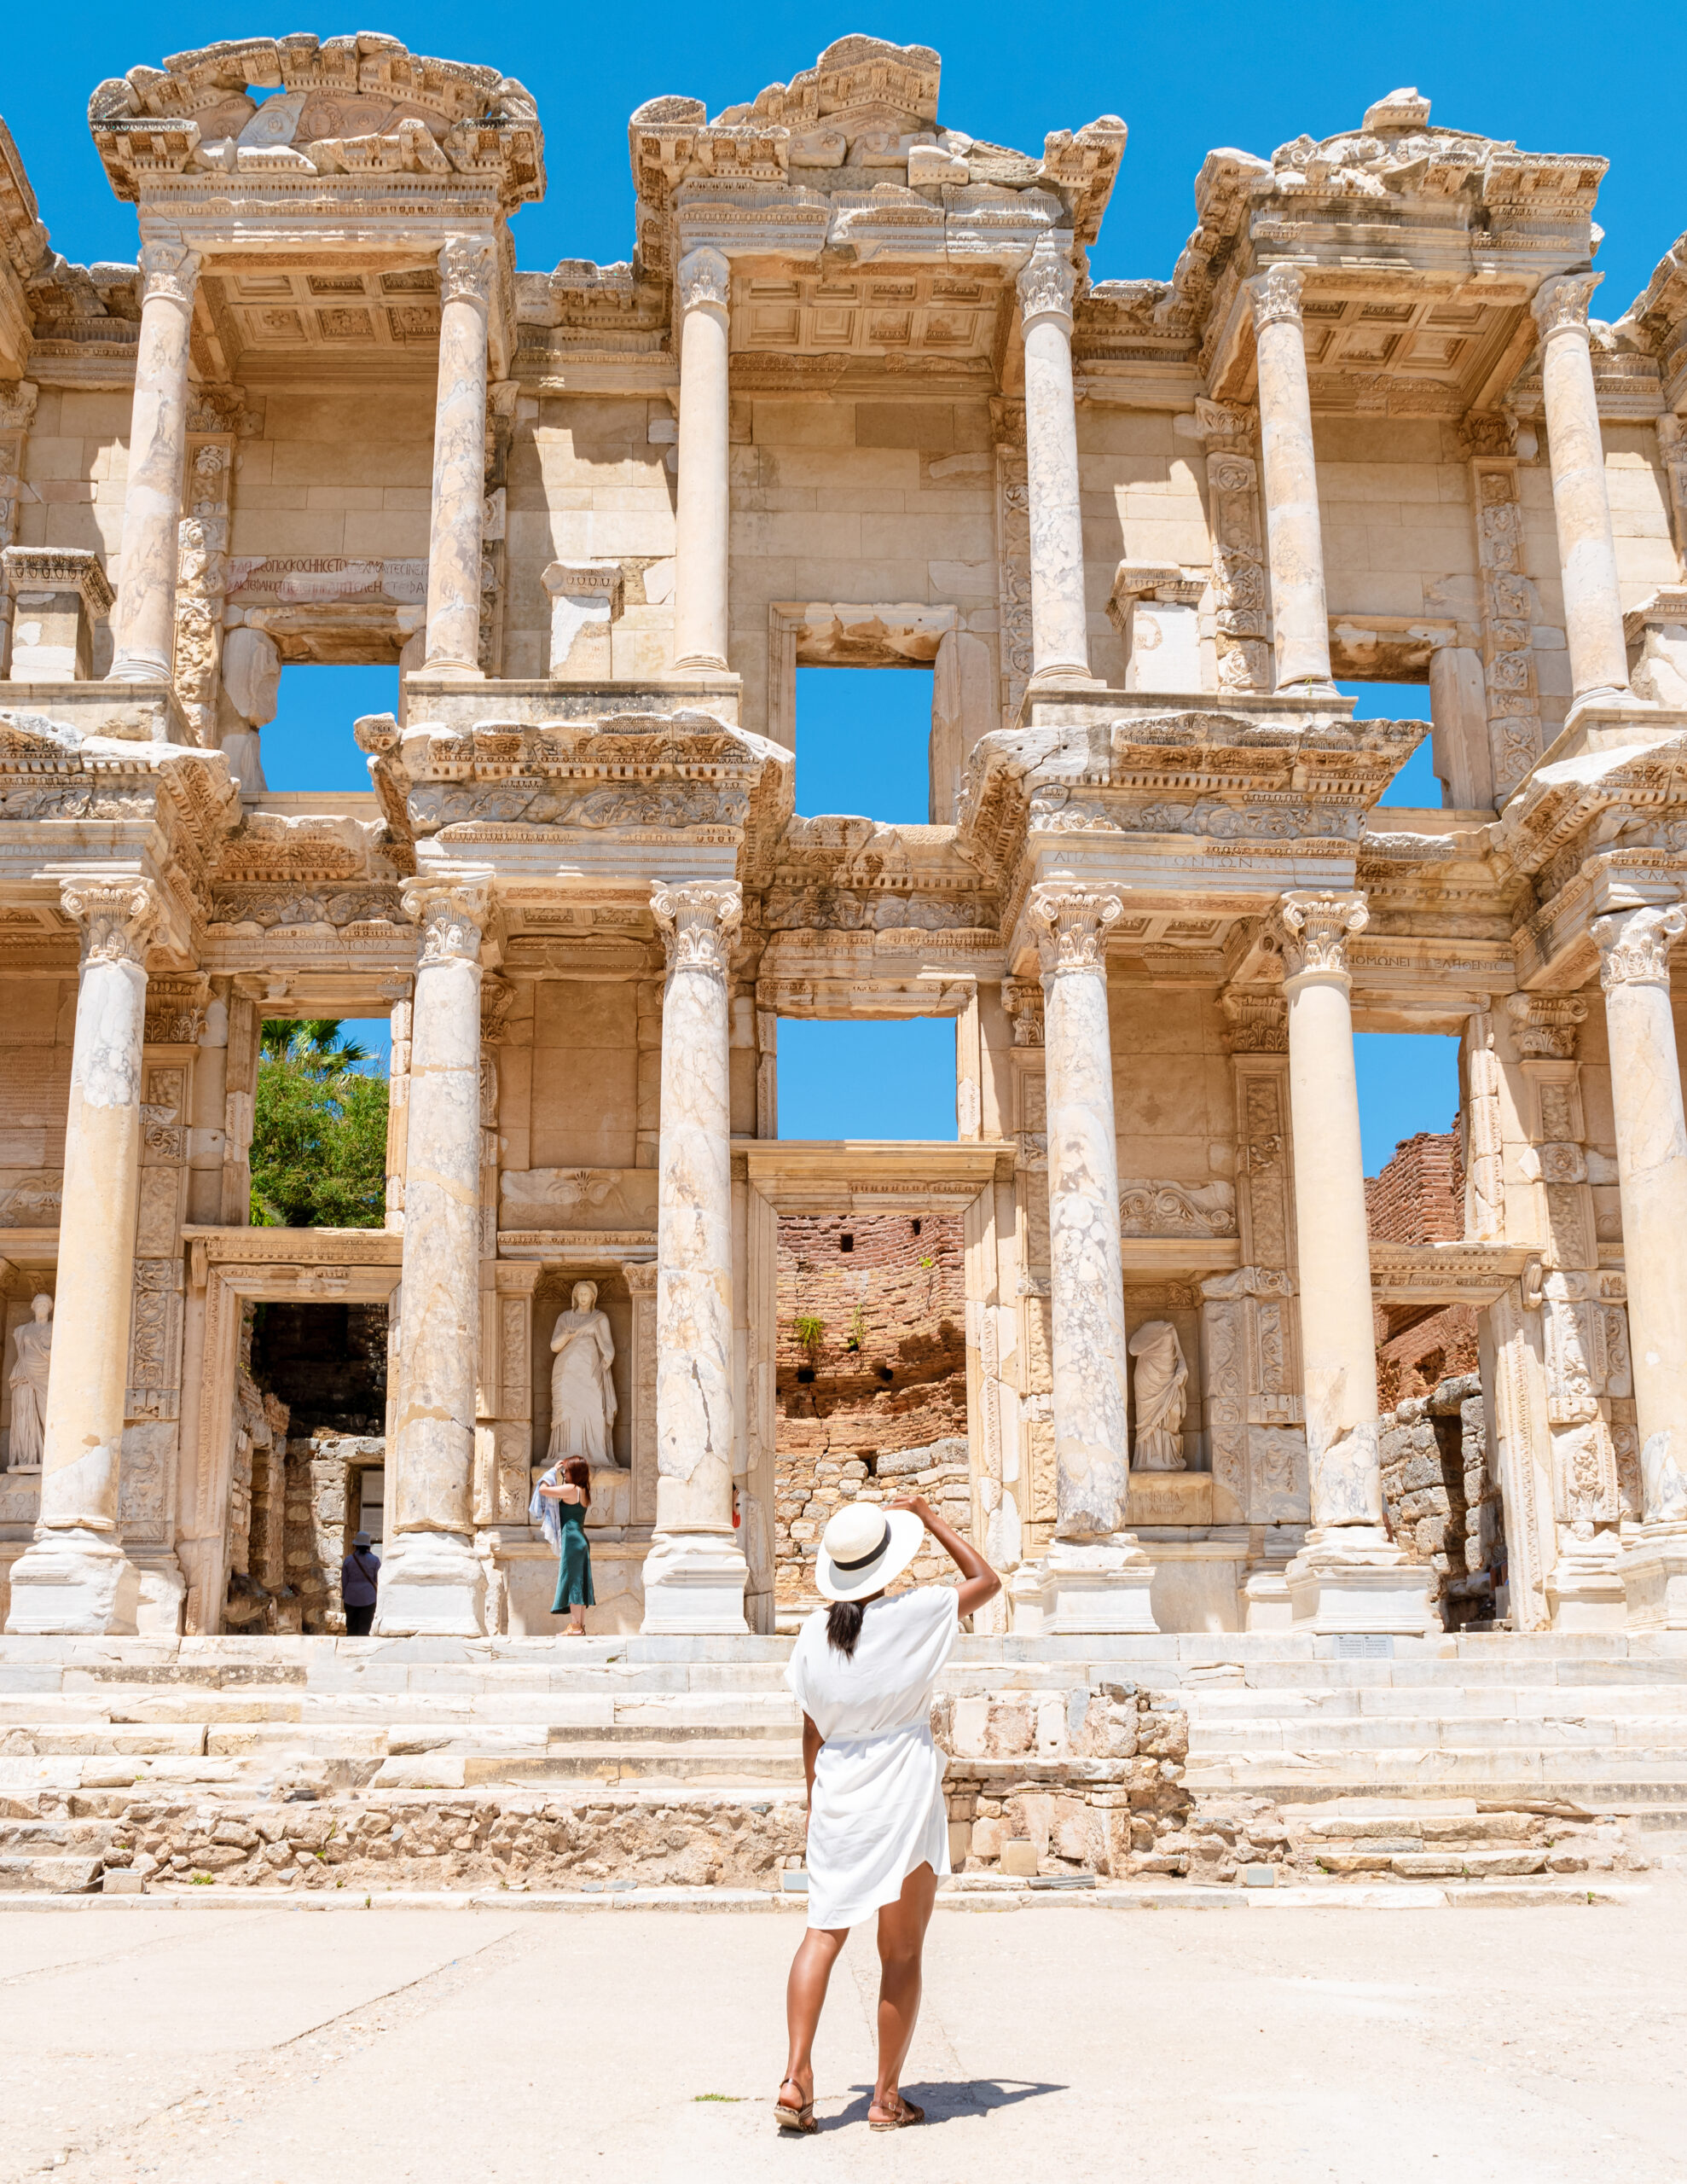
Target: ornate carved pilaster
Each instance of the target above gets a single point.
(1545, 1026)
(1022, 1001)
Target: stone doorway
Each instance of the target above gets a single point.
(870, 1380)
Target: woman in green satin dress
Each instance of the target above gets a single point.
(569, 1497)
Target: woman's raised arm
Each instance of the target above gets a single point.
(979, 1582)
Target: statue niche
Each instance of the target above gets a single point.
(583, 1389)
(1162, 1375)
(33, 1342)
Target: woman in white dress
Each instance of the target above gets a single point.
(864, 1672)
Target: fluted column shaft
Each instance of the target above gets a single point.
(75, 1577)
(431, 1582)
(1087, 1277)
(466, 270)
(1294, 536)
(695, 1573)
(702, 515)
(1652, 1184)
(1338, 1343)
(143, 618)
(1580, 504)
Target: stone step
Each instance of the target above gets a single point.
(1219, 1707)
(1463, 1733)
(69, 1875)
(701, 1764)
(54, 1837)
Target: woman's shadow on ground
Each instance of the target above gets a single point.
(948, 2102)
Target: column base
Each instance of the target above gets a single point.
(1585, 1589)
(1096, 1587)
(163, 1590)
(1353, 1578)
(433, 1585)
(74, 1583)
(1654, 1572)
(693, 1586)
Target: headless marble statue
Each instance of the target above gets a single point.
(33, 1342)
(1161, 1377)
(582, 1392)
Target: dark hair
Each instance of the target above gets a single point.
(844, 1625)
(578, 1473)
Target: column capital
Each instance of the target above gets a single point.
(1275, 295)
(168, 269)
(1046, 283)
(1312, 930)
(118, 917)
(1634, 945)
(1545, 1026)
(704, 278)
(466, 266)
(451, 910)
(1070, 923)
(1256, 1021)
(1560, 306)
(697, 923)
(1022, 1001)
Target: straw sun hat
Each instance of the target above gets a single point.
(864, 1548)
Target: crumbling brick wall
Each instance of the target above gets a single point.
(1442, 1495)
(870, 1380)
(1418, 1198)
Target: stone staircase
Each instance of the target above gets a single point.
(434, 1764)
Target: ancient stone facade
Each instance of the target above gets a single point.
(855, 399)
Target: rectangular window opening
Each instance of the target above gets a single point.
(307, 745)
(892, 1079)
(864, 742)
(1416, 787)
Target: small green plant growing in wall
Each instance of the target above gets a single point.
(856, 1338)
(810, 1332)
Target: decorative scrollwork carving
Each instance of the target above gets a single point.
(1634, 945)
(1560, 306)
(1047, 282)
(704, 277)
(168, 269)
(452, 915)
(466, 269)
(1313, 930)
(1071, 925)
(1275, 296)
(118, 917)
(697, 924)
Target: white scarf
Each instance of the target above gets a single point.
(544, 1513)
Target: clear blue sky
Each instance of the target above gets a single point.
(1549, 79)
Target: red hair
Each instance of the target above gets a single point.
(578, 1473)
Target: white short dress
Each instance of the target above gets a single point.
(878, 1812)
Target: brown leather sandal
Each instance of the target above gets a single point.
(794, 2117)
(910, 2114)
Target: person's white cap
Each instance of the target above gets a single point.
(864, 1548)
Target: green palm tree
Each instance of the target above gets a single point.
(315, 1045)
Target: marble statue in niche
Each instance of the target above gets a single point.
(33, 1342)
(1162, 1375)
(582, 1391)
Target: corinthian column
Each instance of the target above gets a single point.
(1059, 633)
(433, 1583)
(703, 512)
(695, 1573)
(467, 264)
(144, 620)
(1652, 1182)
(1096, 1576)
(1586, 556)
(1293, 539)
(74, 1578)
(1348, 1576)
